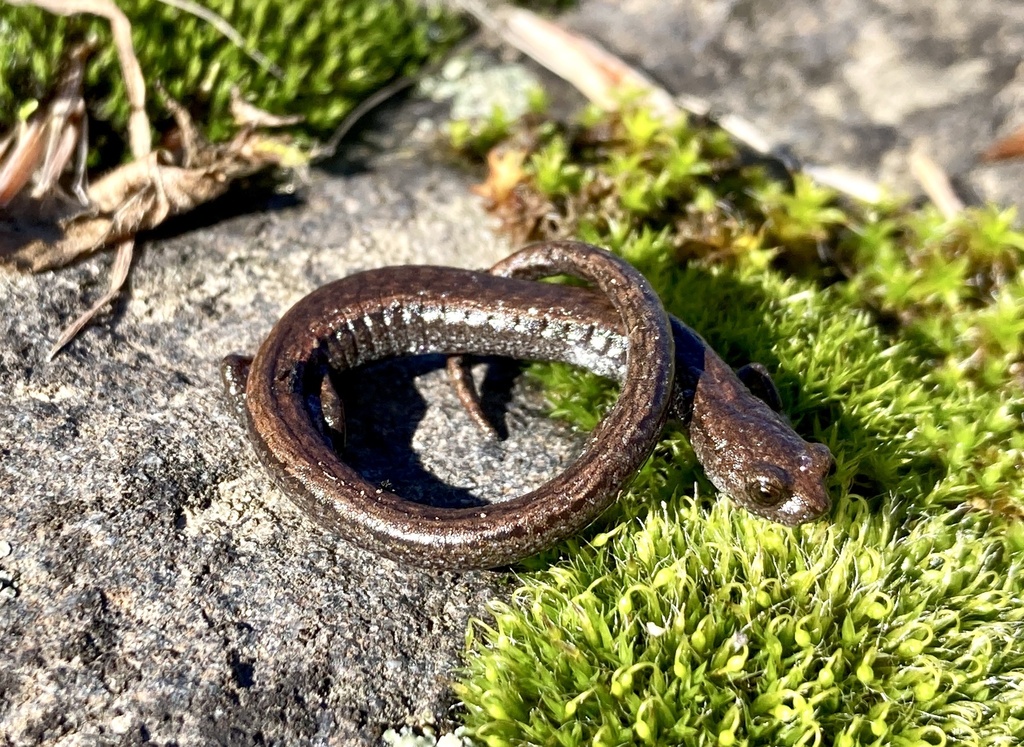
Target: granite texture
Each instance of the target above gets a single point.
(850, 83)
(158, 588)
(154, 588)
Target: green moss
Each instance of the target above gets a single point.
(477, 137)
(956, 285)
(895, 337)
(332, 55)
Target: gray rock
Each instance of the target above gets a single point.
(154, 585)
(850, 83)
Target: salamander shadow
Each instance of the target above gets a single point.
(383, 411)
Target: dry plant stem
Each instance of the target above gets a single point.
(65, 124)
(118, 276)
(43, 145)
(134, 197)
(371, 102)
(228, 31)
(597, 73)
(191, 139)
(17, 169)
(935, 182)
(742, 129)
(364, 107)
(602, 77)
(842, 180)
(138, 123)
(247, 115)
(61, 144)
(139, 196)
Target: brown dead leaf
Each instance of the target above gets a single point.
(134, 197)
(1011, 146)
(504, 172)
(131, 72)
(43, 228)
(39, 150)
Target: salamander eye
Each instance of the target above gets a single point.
(768, 488)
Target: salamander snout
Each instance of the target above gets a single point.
(796, 493)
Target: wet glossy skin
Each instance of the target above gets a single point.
(746, 449)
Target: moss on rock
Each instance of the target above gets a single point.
(895, 337)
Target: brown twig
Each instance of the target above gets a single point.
(603, 78)
(139, 135)
(118, 276)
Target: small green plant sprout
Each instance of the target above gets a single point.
(477, 137)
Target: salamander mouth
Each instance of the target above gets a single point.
(802, 509)
(795, 510)
(809, 499)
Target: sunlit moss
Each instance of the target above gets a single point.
(330, 56)
(895, 337)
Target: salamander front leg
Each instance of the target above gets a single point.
(756, 378)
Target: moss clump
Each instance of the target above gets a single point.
(895, 337)
(331, 56)
(955, 285)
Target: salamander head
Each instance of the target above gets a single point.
(747, 448)
(753, 454)
(789, 490)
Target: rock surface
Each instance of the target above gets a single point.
(156, 588)
(162, 589)
(849, 83)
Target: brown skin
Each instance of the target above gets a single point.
(746, 449)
